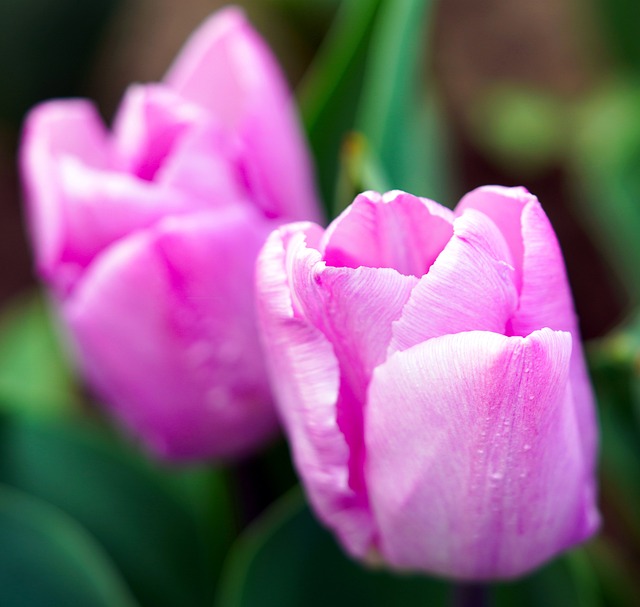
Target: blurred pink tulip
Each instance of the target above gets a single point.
(429, 372)
(147, 236)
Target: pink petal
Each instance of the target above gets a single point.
(470, 287)
(503, 206)
(394, 230)
(305, 378)
(205, 164)
(163, 326)
(221, 65)
(354, 309)
(545, 294)
(160, 137)
(54, 131)
(474, 464)
(150, 121)
(227, 69)
(546, 301)
(102, 206)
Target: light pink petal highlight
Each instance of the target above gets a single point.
(220, 66)
(473, 461)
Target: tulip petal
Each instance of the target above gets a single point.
(103, 206)
(394, 230)
(545, 294)
(221, 66)
(470, 287)
(545, 301)
(150, 121)
(53, 131)
(305, 378)
(504, 207)
(205, 165)
(354, 309)
(67, 149)
(226, 68)
(160, 137)
(473, 460)
(177, 300)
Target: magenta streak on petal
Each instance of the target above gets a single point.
(354, 309)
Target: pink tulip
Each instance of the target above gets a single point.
(430, 376)
(147, 236)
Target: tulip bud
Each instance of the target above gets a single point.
(147, 236)
(429, 372)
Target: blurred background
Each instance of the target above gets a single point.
(432, 96)
(539, 94)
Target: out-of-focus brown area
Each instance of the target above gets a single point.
(547, 45)
(145, 35)
(550, 44)
(15, 269)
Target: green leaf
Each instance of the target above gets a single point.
(615, 373)
(619, 19)
(398, 118)
(568, 580)
(330, 91)
(35, 376)
(135, 511)
(48, 560)
(286, 559)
